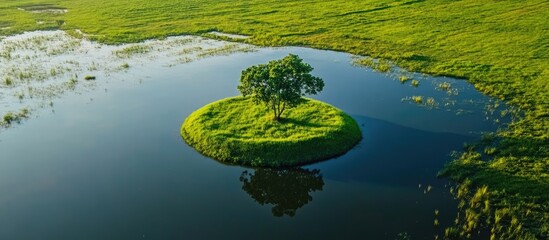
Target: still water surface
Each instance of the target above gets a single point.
(110, 163)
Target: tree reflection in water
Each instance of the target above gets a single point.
(286, 189)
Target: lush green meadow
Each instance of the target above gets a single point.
(500, 46)
(239, 131)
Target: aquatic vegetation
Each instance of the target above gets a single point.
(417, 99)
(481, 209)
(364, 61)
(427, 189)
(224, 50)
(428, 102)
(403, 236)
(444, 86)
(46, 65)
(92, 67)
(20, 95)
(436, 43)
(88, 77)
(403, 79)
(14, 117)
(383, 66)
(415, 83)
(238, 131)
(132, 50)
(431, 102)
(71, 84)
(380, 65)
(447, 87)
(190, 50)
(8, 81)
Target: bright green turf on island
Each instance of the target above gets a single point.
(238, 131)
(500, 46)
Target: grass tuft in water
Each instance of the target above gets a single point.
(380, 65)
(132, 50)
(403, 79)
(444, 86)
(8, 81)
(417, 99)
(14, 117)
(88, 78)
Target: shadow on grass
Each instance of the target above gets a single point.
(302, 123)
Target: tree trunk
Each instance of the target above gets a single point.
(278, 110)
(275, 117)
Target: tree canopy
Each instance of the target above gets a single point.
(280, 84)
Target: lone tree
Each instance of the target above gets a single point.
(280, 84)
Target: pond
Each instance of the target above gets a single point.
(109, 163)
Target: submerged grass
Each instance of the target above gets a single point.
(37, 67)
(500, 46)
(404, 79)
(132, 50)
(239, 131)
(14, 117)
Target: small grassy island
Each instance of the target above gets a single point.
(238, 131)
(252, 130)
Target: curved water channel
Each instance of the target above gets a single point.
(109, 163)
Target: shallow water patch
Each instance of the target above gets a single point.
(39, 67)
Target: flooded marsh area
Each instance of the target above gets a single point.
(103, 158)
(39, 67)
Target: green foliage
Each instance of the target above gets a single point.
(14, 117)
(403, 79)
(280, 84)
(238, 131)
(383, 66)
(497, 205)
(379, 65)
(444, 86)
(500, 46)
(478, 213)
(129, 51)
(417, 99)
(8, 81)
(71, 84)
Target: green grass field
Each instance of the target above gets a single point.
(500, 46)
(239, 131)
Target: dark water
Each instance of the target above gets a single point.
(110, 164)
